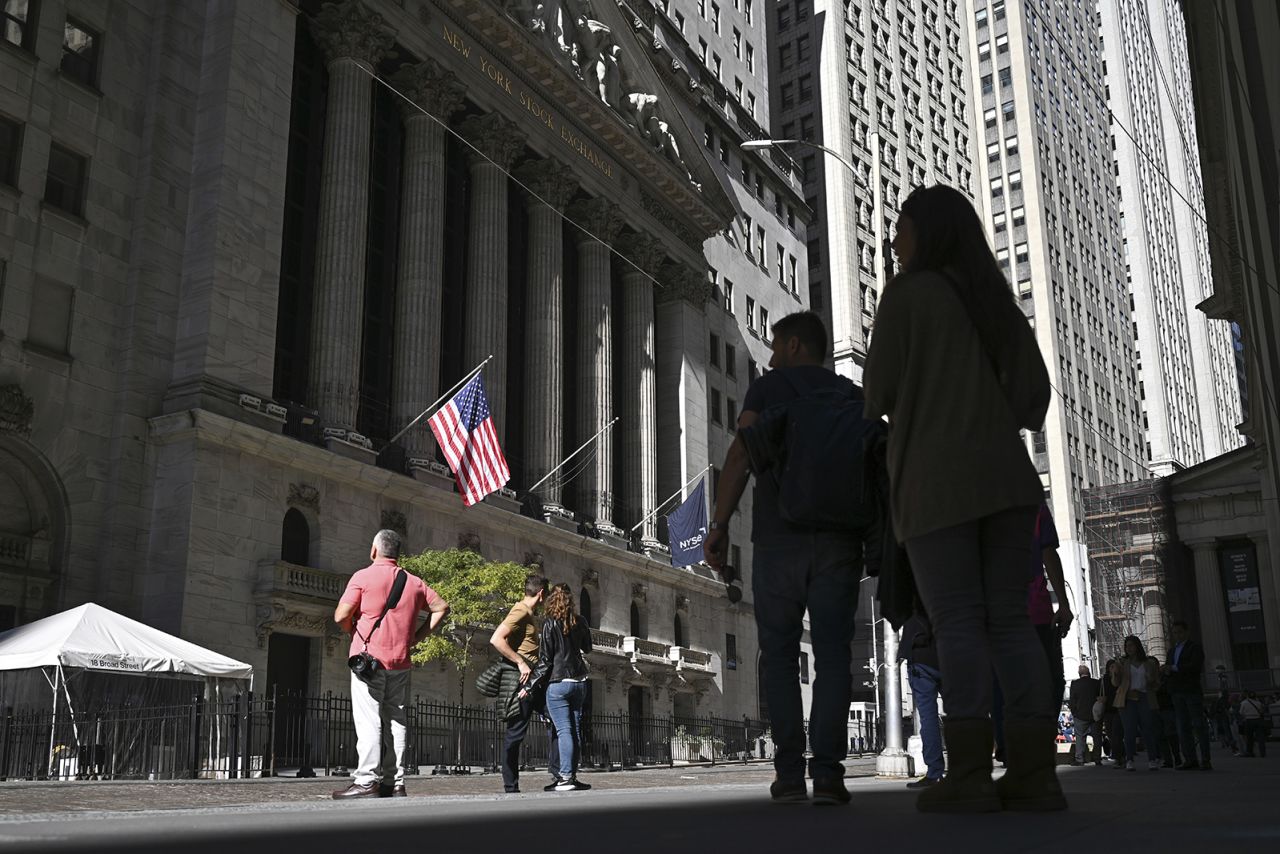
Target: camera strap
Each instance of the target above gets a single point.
(393, 598)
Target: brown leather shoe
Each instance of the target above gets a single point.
(354, 791)
(398, 791)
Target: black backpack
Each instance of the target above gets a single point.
(822, 478)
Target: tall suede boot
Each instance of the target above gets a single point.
(967, 788)
(1031, 783)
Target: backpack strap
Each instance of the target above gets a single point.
(393, 599)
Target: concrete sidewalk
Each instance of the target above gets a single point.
(1233, 808)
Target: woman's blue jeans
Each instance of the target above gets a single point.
(565, 701)
(1138, 716)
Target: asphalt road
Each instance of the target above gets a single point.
(1233, 808)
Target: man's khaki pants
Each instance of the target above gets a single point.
(380, 709)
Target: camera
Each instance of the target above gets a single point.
(364, 666)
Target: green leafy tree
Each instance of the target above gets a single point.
(480, 592)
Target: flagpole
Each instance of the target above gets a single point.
(571, 456)
(441, 399)
(665, 503)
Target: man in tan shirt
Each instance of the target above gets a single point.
(516, 640)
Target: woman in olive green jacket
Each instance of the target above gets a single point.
(1136, 677)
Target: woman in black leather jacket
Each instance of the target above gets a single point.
(563, 643)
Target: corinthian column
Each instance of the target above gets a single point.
(419, 285)
(552, 185)
(354, 42)
(499, 142)
(640, 404)
(602, 222)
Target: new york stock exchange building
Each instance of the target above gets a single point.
(245, 244)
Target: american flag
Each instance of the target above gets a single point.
(465, 432)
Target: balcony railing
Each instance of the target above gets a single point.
(281, 577)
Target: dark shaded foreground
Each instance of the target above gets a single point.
(1233, 808)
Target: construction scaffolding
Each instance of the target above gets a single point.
(1129, 529)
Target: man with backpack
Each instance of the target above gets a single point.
(802, 433)
(380, 609)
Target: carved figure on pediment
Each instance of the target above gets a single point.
(641, 112)
(670, 149)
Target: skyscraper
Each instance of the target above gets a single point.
(1187, 378)
(858, 77)
(1048, 190)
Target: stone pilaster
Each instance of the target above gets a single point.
(552, 185)
(639, 369)
(600, 223)
(1214, 633)
(485, 332)
(421, 265)
(354, 41)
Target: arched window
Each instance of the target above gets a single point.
(678, 636)
(295, 538)
(637, 628)
(584, 609)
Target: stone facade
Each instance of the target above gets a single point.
(164, 471)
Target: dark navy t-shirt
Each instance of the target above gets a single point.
(768, 390)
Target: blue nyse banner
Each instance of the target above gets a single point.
(687, 527)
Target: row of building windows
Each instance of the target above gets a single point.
(81, 44)
(66, 176)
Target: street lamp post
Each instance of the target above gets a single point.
(892, 761)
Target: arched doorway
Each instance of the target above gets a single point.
(33, 525)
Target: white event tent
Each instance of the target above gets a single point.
(91, 639)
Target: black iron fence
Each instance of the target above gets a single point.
(253, 735)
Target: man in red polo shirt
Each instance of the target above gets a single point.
(379, 706)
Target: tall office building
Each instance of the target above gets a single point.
(857, 77)
(1187, 377)
(1049, 193)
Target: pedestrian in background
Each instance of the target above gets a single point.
(1182, 676)
(516, 640)
(1136, 678)
(563, 644)
(1085, 691)
(925, 679)
(956, 368)
(1166, 723)
(1112, 723)
(384, 626)
(1254, 716)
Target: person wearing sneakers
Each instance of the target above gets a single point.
(380, 609)
(956, 368)
(516, 640)
(563, 644)
(1136, 677)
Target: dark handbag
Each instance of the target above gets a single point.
(1016, 360)
(363, 665)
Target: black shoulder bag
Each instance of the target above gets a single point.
(362, 664)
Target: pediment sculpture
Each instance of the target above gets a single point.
(586, 46)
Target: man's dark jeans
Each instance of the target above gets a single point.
(1188, 706)
(818, 573)
(516, 729)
